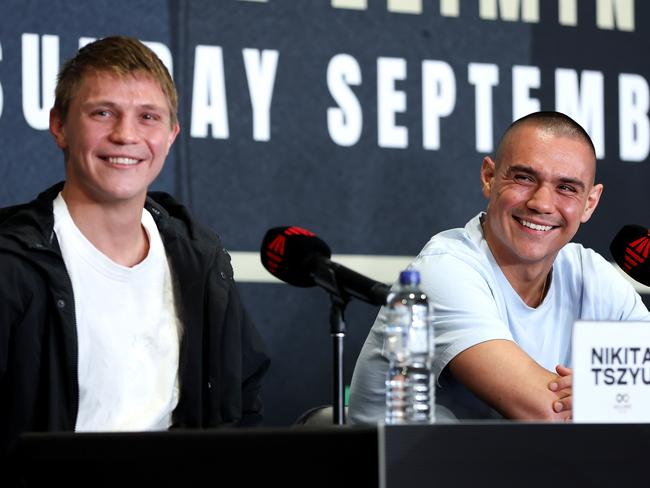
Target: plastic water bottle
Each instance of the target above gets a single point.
(408, 345)
(419, 385)
(396, 335)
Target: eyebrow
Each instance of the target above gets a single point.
(521, 168)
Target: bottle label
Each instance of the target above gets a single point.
(396, 334)
(419, 331)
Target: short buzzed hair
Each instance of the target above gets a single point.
(556, 123)
(121, 56)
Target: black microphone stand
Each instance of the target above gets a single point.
(338, 299)
(337, 332)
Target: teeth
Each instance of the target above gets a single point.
(530, 225)
(122, 160)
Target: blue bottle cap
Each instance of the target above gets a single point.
(409, 277)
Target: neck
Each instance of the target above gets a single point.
(115, 230)
(529, 280)
(531, 287)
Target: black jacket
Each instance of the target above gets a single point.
(222, 357)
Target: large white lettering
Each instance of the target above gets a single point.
(612, 14)
(583, 101)
(260, 73)
(483, 77)
(345, 123)
(38, 83)
(568, 12)
(524, 78)
(510, 10)
(405, 6)
(580, 94)
(450, 8)
(438, 99)
(353, 4)
(634, 126)
(86, 40)
(390, 102)
(209, 107)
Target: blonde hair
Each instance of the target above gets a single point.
(121, 56)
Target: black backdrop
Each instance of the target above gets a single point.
(371, 184)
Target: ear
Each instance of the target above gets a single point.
(488, 173)
(172, 136)
(592, 202)
(57, 130)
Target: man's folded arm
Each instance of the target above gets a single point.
(504, 376)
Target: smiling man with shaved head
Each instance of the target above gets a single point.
(507, 288)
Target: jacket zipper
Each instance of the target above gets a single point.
(75, 353)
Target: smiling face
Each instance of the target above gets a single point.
(540, 190)
(115, 137)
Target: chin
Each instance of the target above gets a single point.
(124, 194)
(539, 255)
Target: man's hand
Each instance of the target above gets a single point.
(562, 386)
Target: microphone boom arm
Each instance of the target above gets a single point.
(345, 283)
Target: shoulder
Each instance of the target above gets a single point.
(455, 253)
(460, 242)
(576, 259)
(458, 275)
(582, 269)
(32, 221)
(603, 289)
(186, 238)
(174, 218)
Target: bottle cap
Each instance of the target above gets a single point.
(409, 277)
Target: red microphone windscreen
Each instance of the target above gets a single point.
(631, 249)
(286, 252)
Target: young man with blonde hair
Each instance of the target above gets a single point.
(118, 312)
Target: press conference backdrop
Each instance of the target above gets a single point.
(364, 121)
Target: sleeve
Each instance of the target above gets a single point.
(243, 359)
(367, 397)
(468, 306)
(466, 312)
(223, 358)
(16, 292)
(22, 315)
(255, 364)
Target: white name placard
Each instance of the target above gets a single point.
(611, 372)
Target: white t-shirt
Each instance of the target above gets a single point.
(127, 329)
(473, 302)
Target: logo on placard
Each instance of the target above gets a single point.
(622, 402)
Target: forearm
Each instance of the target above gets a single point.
(506, 378)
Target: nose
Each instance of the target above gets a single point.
(542, 199)
(124, 131)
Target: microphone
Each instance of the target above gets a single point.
(298, 257)
(630, 249)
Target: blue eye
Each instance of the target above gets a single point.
(151, 116)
